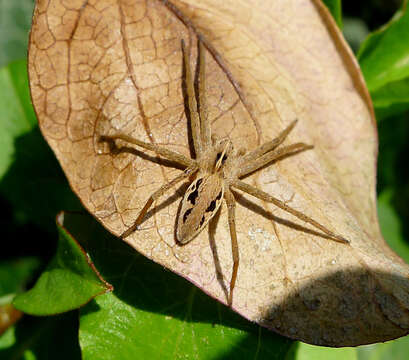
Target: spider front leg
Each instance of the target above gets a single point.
(266, 197)
(231, 206)
(157, 194)
(268, 157)
(269, 145)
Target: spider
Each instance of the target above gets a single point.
(218, 168)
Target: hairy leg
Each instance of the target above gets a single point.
(268, 157)
(231, 206)
(270, 145)
(266, 197)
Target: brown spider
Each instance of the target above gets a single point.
(218, 168)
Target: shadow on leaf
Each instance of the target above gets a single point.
(35, 184)
(336, 313)
(145, 288)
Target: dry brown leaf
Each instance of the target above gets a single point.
(103, 66)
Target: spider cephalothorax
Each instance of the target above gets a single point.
(216, 169)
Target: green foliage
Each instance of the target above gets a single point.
(15, 22)
(396, 350)
(152, 312)
(392, 350)
(383, 59)
(15, 274)
(18, 117)
(391, 225)
(309, 352)
(334, 6)
(70, 272)
(54, 337)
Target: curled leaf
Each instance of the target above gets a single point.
(102, 67)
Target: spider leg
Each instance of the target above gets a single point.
(158, 193)
(166, 153)
(269, 145)
(192, 104)
(204, 120)
(231, 206)
(270, 156)
(266, 197)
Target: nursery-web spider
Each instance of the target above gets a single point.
(218, 168)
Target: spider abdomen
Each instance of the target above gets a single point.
(200, 203)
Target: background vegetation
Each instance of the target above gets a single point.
(137, 320)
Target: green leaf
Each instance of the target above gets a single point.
(29, 172)
(42, 338)
(15, 21)
(69, 281)
(391, 350)
(334, 7)
(393, 150)
(383, 59)
(355, 32)
(17, 116)
(7, 339)
(396, 350)
(14, 274)
(302, 351)
(155, 314)
(391, 225)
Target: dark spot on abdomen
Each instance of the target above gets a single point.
(212, 206)
(202, 220)
(186, 214)
(195, 193)
(192, 197)
(219, 196)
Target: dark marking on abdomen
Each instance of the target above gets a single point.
(195, 193)
(219, 196)
(212, 206)
(186, 214)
